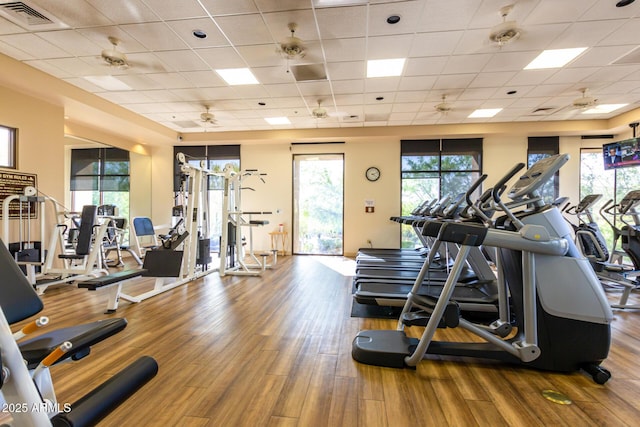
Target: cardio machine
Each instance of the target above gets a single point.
(560, 313)
(608, 265)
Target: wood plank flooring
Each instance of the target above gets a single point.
(276, 351)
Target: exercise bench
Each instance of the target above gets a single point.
(114, 284)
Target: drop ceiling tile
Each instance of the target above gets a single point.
(342, 50)
(554, 11)
(434, 44)
(278, 25)
(100, 36)
(387, 47)
(280, 5)
(408, 11)
(221, 57)
(250, 91)
(342, 87)
(182, 60)
(460, 64)
(314, 88)
(411, 96)
(273, 75)
(185, 28)
(126, 97)
(124, 11)
(73, 43)
(14, 52)
(169, 10)
(510, 61)
(8, 27)
(348, 70)
(349, 99)
(625, 34)
(432, 65)
(262, 55)
(454, 81)
(417, 83)
(75, 13)
(34, 46)
(204, 78)
(281, 90)
(139, 83)
(81, 67)
(245, 29)
(381, 84)
(571, 75)
(155, 36)
(226, 7)
(170, 80)
(438, 15)
(493, 79)
(83, 84)
(342, 22)
(406, 107)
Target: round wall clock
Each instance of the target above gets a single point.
(373, 173)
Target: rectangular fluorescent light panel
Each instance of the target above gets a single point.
(554, 58)
(277, 120)
(108, 83)
(604, 108)
(385, 67)
(238, 76)
(484, 112)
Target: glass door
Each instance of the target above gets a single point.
(318, 190)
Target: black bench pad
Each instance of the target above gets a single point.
(110, 279)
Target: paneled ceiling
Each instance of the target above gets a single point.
(171, 79)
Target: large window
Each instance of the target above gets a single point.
(538, 148)
(612, 184)
(100, 176)
(215, 158)
(436, 167)
(8, 142)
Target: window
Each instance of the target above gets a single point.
(8, 147)
(433, 168)
(538, 148)
(100, 176)
(216, 157)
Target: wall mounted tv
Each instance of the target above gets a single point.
(621, 154)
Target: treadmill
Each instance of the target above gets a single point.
(477, 290)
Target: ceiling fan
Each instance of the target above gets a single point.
(292, 47)
(584, 101)
(507, 31)
(113, 57)
(208, 118)
(319, 112)
(444, 107)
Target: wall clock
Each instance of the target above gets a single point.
(372, 174)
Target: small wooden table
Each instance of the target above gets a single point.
(281, 238)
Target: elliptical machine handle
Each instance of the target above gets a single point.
(473, 187)
(499, 187)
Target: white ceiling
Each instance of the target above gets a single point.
(445, 42)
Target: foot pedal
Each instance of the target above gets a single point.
(450, 319)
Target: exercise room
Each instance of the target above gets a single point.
(319, 212)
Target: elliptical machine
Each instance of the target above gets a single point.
(561, 315)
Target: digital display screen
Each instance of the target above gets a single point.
(621, 154)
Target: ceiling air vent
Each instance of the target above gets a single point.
(186, 124)
(29, 17)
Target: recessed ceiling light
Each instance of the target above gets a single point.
(554, 58)
(200, 34)
(385, 67)
(262, 104)
(484, 112)
(108, 83)
(379, 98)
(623, 3)
(604, 108)
(277, 120)
(238, 76)
(393, 19)
(512, 92)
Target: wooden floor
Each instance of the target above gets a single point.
(276, 351)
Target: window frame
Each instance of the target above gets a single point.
(12, 147)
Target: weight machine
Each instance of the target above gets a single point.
(232, 252)
(79, 263)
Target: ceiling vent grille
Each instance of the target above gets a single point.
(29, 17)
